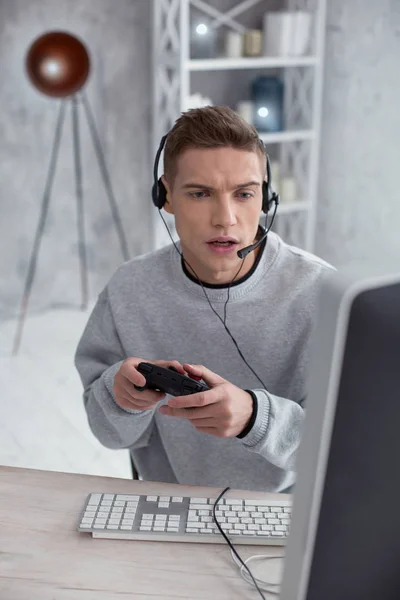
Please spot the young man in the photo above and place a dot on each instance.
(239, 433)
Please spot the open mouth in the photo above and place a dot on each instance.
(222, 243)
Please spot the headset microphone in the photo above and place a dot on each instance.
(245, 251)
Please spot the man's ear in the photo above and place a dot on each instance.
(168, 204)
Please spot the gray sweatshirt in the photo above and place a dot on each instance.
(151, 309)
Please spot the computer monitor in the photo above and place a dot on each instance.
(344, 542)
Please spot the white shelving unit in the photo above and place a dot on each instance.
(302, 76)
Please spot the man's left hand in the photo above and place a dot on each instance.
(224, 410)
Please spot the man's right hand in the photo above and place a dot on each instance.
(127, 396)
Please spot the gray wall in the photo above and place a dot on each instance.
(359, 199)
(116, 34)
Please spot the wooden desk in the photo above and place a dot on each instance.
(43, 557)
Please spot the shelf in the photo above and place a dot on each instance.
(287, 136)
(287, 208)
(258, 62)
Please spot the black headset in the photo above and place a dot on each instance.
(159, 193)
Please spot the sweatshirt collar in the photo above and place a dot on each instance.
(265, 260)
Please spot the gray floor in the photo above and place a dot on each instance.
(43, 422)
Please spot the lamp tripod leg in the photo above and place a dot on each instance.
(79, 204)
(40, 230)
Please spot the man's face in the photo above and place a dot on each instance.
(216, 196)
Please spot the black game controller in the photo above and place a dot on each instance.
(168, 381)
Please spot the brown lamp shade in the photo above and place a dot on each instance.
(58, 64)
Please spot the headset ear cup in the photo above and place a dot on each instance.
(159, 194)
(267, 197)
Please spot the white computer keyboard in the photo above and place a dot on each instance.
(184, 519)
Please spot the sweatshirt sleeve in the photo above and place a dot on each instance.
(98, 358)
(276, 432)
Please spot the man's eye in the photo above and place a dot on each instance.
(201, 194)
(245, 195)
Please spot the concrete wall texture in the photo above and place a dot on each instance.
(117, 37)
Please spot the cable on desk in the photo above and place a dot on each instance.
(244, 568)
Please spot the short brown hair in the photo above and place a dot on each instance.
(208, 127)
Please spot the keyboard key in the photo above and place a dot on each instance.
(177, 499)
(287, 509)
(126, 527)
(165, 499)
(277, 533)
(158, 528)
(108, 496)
(211, 526)
(94, 499)
(99, 525)
(152, 498)
(146, 522)
(234, 501)
(273, 522)
(174, 518)
(199, 501)
(219, 513)
(127, 522)
(127, 498)
(240, 526)
(105, 503)
(112, 526)
(280, 528)
(267, 528)
(197, 507)
(204, 513)
(257, 515)
(86, 520)
(161, 517)
(285, 521)
(130, 510)
(132, 504)
(86, 526)
(172, 529)
(117, 509)
(243, 513)
(253, 527)
(249, 532)
(233, 520)
(246, 520)
(206, 519)
(205, 531)
(230, 513)
(119, 503)
(256, 503)
(282, 516)
(266, 533)
(260, 521)
(235, 532)
(192, 530)
(251, 508)
(275, 509)
(89, 514)
(163, 505)
(194, 519)
(102, 515)
(144, 528)
(147, 516)
(114, 521)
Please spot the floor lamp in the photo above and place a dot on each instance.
(58, 65)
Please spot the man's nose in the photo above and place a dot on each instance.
(224, 214)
